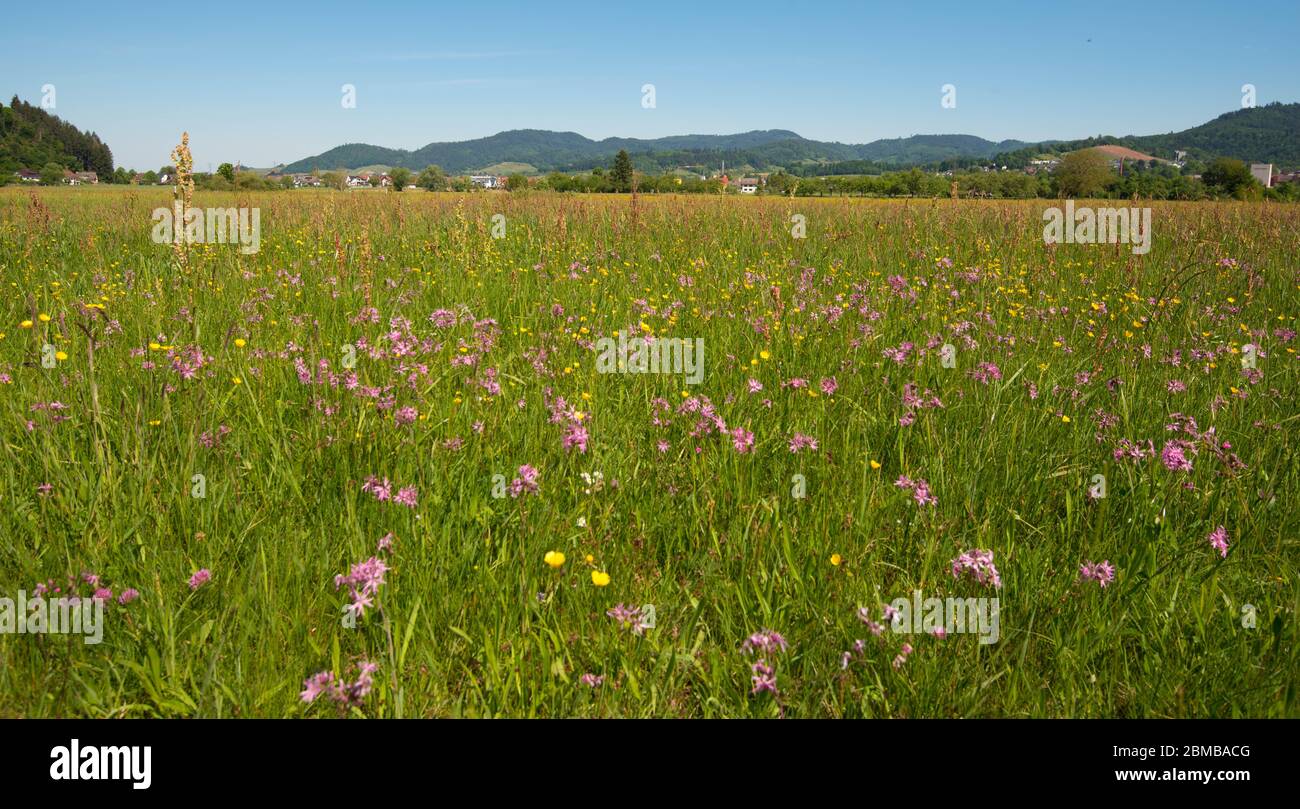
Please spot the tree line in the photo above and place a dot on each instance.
(1080, 174)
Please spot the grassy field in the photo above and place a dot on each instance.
(387, 393)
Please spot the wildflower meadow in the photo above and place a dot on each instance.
(541, 455)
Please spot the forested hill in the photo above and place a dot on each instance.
(31, 138)
(1269, 134)
(547, 150)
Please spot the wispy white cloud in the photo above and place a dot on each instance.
(454, 56)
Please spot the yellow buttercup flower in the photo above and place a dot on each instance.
(554, 558)
(599, 578)
(240, 342)
(60, 355)
(44, 318)
(836, 559)
(875, 464)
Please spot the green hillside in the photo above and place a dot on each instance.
(1268, 134)
(1262, 134)
(30, 138)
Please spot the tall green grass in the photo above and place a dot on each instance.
(472, 622)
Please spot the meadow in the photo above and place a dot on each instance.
(371, 470)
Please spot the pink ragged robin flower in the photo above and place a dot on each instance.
(526, 483)
(800, 441)
(1102, 572)
(979, 564)
(1219, 541)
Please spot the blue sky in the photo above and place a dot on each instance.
(260, 83)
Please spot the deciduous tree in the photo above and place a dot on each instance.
(1084, 173)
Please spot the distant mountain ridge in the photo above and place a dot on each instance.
(1261, 134)
(932, 148)
(549, 150)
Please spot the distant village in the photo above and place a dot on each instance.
(1122, 160)
(487, 182)
(362, 179)
(1122, 157)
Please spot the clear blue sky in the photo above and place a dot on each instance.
(260, 82)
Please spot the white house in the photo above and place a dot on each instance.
(1262, 172)
(748, 185)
